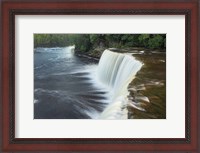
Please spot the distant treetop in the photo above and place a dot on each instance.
(86, 42)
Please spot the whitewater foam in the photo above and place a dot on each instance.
(116, 71)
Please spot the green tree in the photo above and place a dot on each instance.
(157, 41)
(86, 42)
(144, 39)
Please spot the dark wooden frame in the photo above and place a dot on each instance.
(11, 8)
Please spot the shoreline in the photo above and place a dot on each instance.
(97, 52)
(87, 56)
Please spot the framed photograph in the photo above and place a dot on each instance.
(100, 76)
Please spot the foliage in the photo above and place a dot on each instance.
(144, 39)
(82, 42)
(156, 41)
(50, 40)
(86, 42)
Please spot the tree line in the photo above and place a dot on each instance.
(87, 42)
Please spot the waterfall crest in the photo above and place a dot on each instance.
(116, 71)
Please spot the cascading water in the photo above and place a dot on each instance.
(70, 51)
(116, 71)
(69, 87)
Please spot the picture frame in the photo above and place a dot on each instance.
(46, 7)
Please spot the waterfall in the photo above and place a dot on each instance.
(72, 47)
(116, 71)
(69, 51)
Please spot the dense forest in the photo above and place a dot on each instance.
(87, 42)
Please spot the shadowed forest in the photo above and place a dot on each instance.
(86, 42)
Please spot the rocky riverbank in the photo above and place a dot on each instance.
(149, 87)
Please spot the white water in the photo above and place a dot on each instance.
(107, 80)
(116, 71)
(70, 51)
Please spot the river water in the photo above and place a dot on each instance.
(64, 86)
(71, 87)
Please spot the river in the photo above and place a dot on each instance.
(64, 87)
(119, 86)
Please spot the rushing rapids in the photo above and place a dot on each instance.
(116, 71)
(71, 87)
